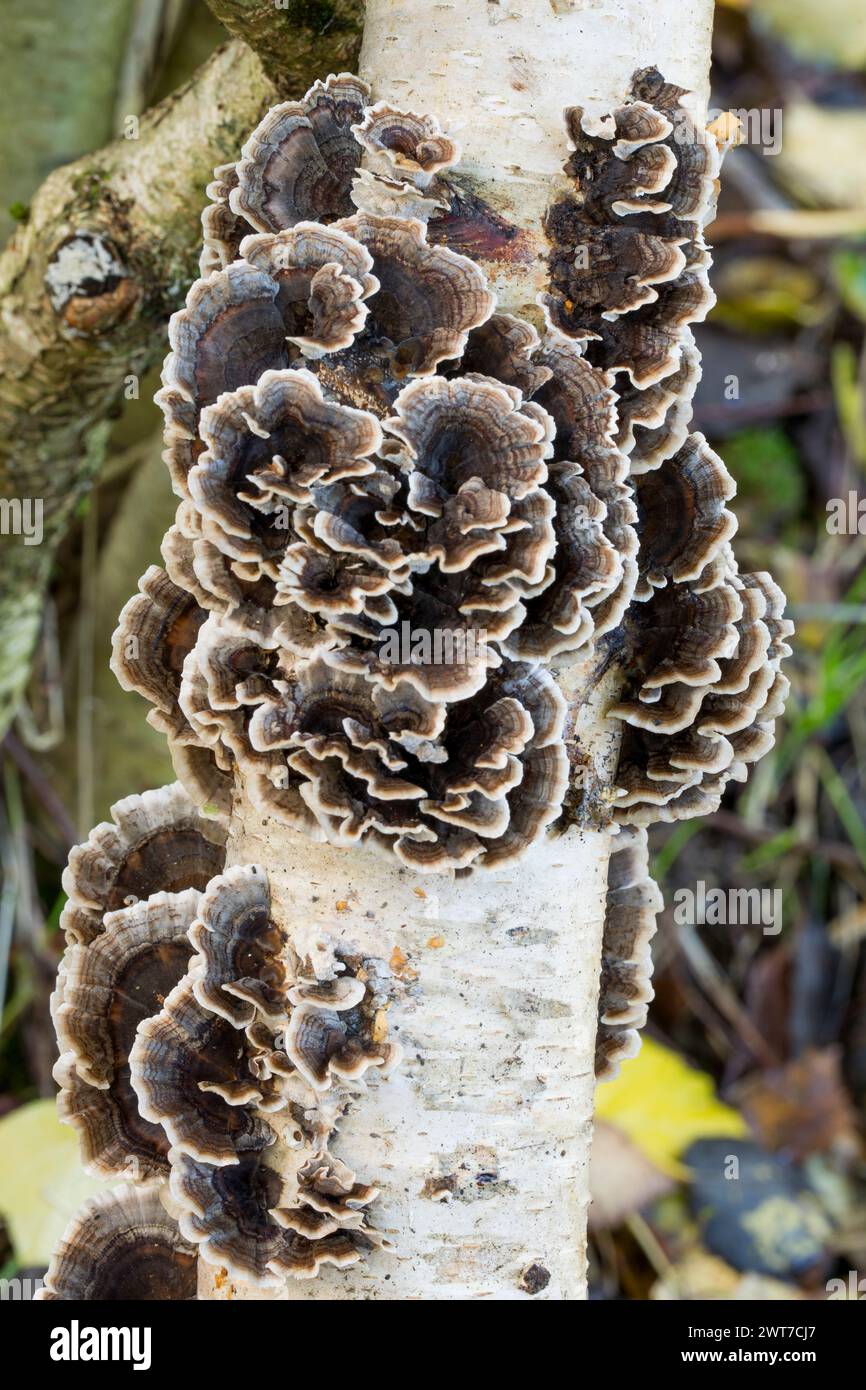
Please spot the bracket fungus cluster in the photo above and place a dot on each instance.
(373, 464)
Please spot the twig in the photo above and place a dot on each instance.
(41, 788)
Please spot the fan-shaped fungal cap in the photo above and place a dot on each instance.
(326, 1045)
(384, 196)
(155, 632)
(684, 522)
(298, 163)
(238, 972)
(582, 403)
(429, 298)
(229, 332)
(653, 424)
(505, 348)
(690, 742)
(122, 1246)
(265, 448)
(678, 638)
(191, 1075)
(323, 276)
(628, 263)
(401, 143)
(229, 1213)
(108, 987)
(222, 230)
(440, 786)
(157, 841)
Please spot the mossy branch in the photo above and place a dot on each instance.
(88, 283)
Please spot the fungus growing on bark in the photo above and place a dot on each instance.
(298, 163)
(375, 454)
(632, 904)
(156, 842)
(234, 1217)
(237, 972)
(403, 144)
(107, 988)
(323, 277)
(190, 1071)
(222, 230)
(429, 298)
(155, 633)
(629, 265)
(121, 1246)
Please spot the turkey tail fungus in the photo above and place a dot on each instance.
(449, 614)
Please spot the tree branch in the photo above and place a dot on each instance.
(88, 284)
(294, 38)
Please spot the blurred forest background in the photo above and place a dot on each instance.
(756, 1047)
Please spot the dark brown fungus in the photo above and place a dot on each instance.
(633, 903)
(156, 631)
(324, 279)
(404, 145)
(122, 1246)
(191, 1075)
(298, 163)
(265, 448)
(106, 989)
(228, 334)
(429, 298)
(222, 230)
(238, 973)
(158, 841)
(683, 520)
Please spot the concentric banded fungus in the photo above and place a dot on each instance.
(332, 1035)
(429, 298)
(383, 767)
(265, 448)
(633, 902)
(107, 988)
(324, 278)
(237, 972)
(222, 230)
(683, 518)
(228, 334)
(628, 263)
(156, 631)
(298, 163)
(708, 733)
(190, 1071)
(402, 144)
(234, 1216)
(122, 1246)
(403, 517)
(158, 841)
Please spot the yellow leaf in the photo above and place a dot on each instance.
(41, 1180)
(663, 1105)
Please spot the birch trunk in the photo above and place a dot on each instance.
(480, 1140)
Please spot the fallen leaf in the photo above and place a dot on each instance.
(621, 1178)
(663, 1105)
(41, 1180)
(802, 1108)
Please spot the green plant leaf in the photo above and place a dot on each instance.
(41, 1180)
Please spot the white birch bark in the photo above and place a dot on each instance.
(480, 1140)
